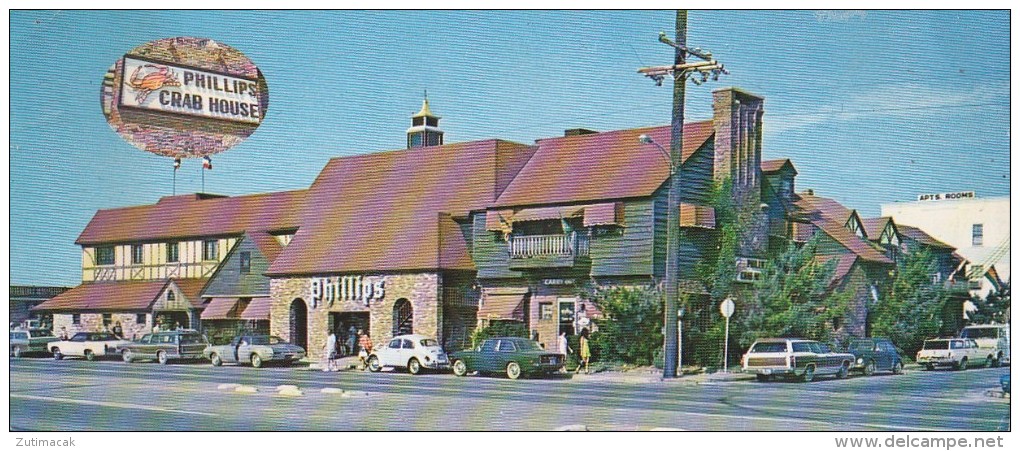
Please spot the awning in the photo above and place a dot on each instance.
(692, 215)
(258, 309)
(545, 213)
(220, 308)
(493, 222)
(503, 304)
(610, 213)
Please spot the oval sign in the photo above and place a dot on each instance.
(726, 308)
(184, 97)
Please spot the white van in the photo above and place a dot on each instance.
(993, 339)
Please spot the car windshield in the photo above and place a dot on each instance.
(769, 347)
(42, 333)
(980, 332)
(429, 343)
(824, 348)
(936, 344)
(102, 337)
(266, 340)
(527, 345)
(861, 346)
(958, 344)
(191, 339)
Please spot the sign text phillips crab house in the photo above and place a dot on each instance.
(178, 89)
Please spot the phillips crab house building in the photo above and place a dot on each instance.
(439, 239)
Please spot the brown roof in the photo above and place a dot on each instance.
(107, 296)
(874, 226)
(920, 236)
(769, 166)
(844, 263)
(598, 167)
(267, 244)
(380, 211)
(194, 215)
(831, 216)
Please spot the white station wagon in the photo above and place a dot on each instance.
(89, 345)
(413, 352)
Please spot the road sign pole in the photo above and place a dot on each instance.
(726, 348)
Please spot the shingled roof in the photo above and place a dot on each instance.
(600, 166)
(195, 215)
(770, 166)
(393, 211)
(831, 216)
(130, 295)
(920, 236)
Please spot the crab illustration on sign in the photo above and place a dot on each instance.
(152, 80)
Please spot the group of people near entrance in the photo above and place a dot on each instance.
(583, 351)
(358, 342)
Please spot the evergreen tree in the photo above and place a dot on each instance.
(911, 311)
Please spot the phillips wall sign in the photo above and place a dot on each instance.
(184, 97)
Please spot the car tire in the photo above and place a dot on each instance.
(897, 368)
(56, 354)
(162, 358)
(869, 368)
(414, 366)
(125, 355)
(215, 359)
(256, 361)
(762, 377)
(89, 355)
(373, 364)
(809, 374)
(16, 352)
(962, 366)
(459, 368)
(930, 367)
(513, 370)
(844, 370)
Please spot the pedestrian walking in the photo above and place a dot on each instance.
(365, 343)
(352, 340)
(63, 334)
(118, 330)
(330, 348)
(584, 352)
(562, 345)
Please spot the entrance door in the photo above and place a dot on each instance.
(344, 323)
(567, 316)
(299, 323)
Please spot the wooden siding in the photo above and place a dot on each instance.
(490, 252)
(228, 280)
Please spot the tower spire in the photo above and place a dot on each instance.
(424, 131)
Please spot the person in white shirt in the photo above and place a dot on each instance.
(561, 344)
(330, 352)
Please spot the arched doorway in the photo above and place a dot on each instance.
(299, 323)
(403, 317)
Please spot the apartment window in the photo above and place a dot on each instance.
(172, 255)
(76, 318)
(209, 249)
(136, 254)
(140, 319)
(104, 255)
(545, 310)
(245, 262)
(107, 319)
(977, 235)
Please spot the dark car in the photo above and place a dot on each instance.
(513, 356)
(25, 341)
(1004, 381)
(875, 354)
(166, 346)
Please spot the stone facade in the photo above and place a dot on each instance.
(422, 290)
(93, 322)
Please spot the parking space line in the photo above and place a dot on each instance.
(118, 405)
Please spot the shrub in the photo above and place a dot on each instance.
(631, 328)
(499, 329)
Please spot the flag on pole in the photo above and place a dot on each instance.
(177, 163)
(207, 162)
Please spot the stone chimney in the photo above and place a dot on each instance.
(737, 120)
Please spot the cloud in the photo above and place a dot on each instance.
(900, 100)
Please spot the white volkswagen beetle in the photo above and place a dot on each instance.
(413, 352)
(87, 344)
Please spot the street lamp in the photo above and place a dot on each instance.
(645, 139)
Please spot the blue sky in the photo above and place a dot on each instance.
(873, 107)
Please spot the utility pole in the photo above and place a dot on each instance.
(680, 71)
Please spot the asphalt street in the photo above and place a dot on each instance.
(76, 395)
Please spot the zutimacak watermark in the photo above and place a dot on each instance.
(44, 442)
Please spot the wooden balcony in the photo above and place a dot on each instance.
(548, 251)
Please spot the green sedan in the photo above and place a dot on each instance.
(513, 356)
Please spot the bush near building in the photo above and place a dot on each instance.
(793, 299)
(630, 330)
(499, 329)
(912, 309)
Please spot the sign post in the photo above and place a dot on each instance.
(726, 308)
(680, 341)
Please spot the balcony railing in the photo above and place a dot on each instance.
(150, 272)
(571, 244)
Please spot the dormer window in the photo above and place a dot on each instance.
(104, 255)
(210, 250)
